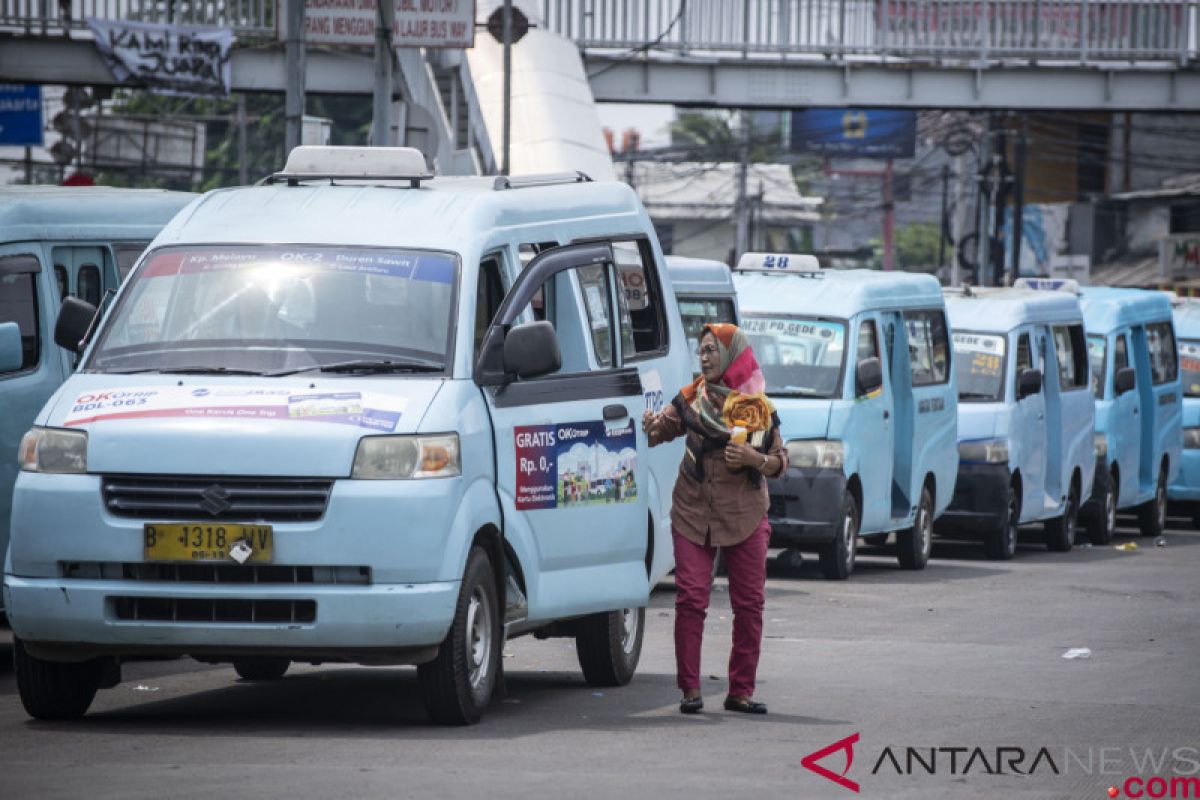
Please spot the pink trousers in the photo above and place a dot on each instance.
(746, 566)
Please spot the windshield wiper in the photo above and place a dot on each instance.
(203, 371)
(363, 365)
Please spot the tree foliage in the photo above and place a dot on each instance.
(917, 245)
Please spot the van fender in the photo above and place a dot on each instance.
(660, 519)
(519, 538)
(477, 509)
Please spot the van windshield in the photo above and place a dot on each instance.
(979, 360)
(1097, 350)
(799, 357)
(278, 309)
(1189, 366)
(696, 313)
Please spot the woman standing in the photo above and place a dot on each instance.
(720, 500)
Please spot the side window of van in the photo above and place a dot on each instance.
(582, 317)
(645, 331)
(488, 295)
(928, 346)
(19, 304)
(1070, 347)
(1120, 354)
(1164, 361)
(868, 341)
(63, 281)
(126, 256)
(1024, 353)
(87, 284)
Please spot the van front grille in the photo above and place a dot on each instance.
(172, 497)
(193, 609)
(213, 573)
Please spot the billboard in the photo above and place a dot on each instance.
(21, 114)
(854, 132)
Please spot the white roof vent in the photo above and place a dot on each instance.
(777, 262)
(379, 163)
(1048, 284)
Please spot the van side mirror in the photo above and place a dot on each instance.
(1124, 380)
(11, 354)
(531, 350)
(74, 321)
(868, 376)
(1029, 382)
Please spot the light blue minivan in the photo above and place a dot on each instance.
(706, 294)
(58, 242)
(356, 414)
(1183, 492)
(1139, 407)
(1026, 434)
(870, 431)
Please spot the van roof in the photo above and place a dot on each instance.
(1187, 318)
(35, 213)
(699, 276)
(836, 293)
(1106, 309)
(443, 214)
(1002, 310)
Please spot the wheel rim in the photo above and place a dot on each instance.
(629, 630)
(850, 532)
(1069, 519)
(479, 637)
(1160, 506)
(926, 534)
(1110, 510)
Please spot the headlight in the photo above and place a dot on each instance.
(401, 457)
(984, 451)
(826, 453)
(53, 450)
(1101, 445)
(1191, 438)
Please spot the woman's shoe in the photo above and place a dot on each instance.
(745, 705)
(691, 705)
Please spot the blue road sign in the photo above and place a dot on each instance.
(21, 114)
(855, 132)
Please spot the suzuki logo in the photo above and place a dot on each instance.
(215, 500)
(846, 745)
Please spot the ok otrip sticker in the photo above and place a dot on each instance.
(575, 464)
(364, 410)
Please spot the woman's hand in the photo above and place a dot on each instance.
(742, 455)
(650, 425)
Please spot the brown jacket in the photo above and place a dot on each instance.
(725, 507)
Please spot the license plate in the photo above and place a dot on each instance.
(206, 542)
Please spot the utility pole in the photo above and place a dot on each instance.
(943, 227)
(243, 167)
(1019, 198)
(296, 68)
(507, 44)
(982, 234)
(996, 242)
(743, 204)
(381, 103)
(889, 219)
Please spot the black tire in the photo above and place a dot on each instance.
(1196, 520)
(914, 544)
(1101, 523)
(1000, 543)
(456, 687)
(876, 539)
(837, 556)
(1152, 515)
(55, 690)
(261, 668)
(609, 646)
(1060, 531)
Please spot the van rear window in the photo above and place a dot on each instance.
(799, 357)
(1189, 366)
(281, 308)
(979, 366)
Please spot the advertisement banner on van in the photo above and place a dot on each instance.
(376, 412)
(575, 464)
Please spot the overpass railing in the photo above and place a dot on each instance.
(1085, 31)
(248, 18)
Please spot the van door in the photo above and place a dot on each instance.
(570, 455)
(1029, 416)
(1126, 434)
(871, 422)
(898, 377)
(1167, 424)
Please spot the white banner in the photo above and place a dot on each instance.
(171, 59)
(419, 23)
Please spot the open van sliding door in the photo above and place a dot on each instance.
(900, 377)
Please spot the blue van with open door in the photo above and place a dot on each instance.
(58, 242)
(1139, 406)
(861, 371)
(1183, 493)
(1025, 416)
(706, 294)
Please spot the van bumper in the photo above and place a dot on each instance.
(806, 506)
(80, 618)
(980, 499)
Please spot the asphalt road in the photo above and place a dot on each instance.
(966, 654)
